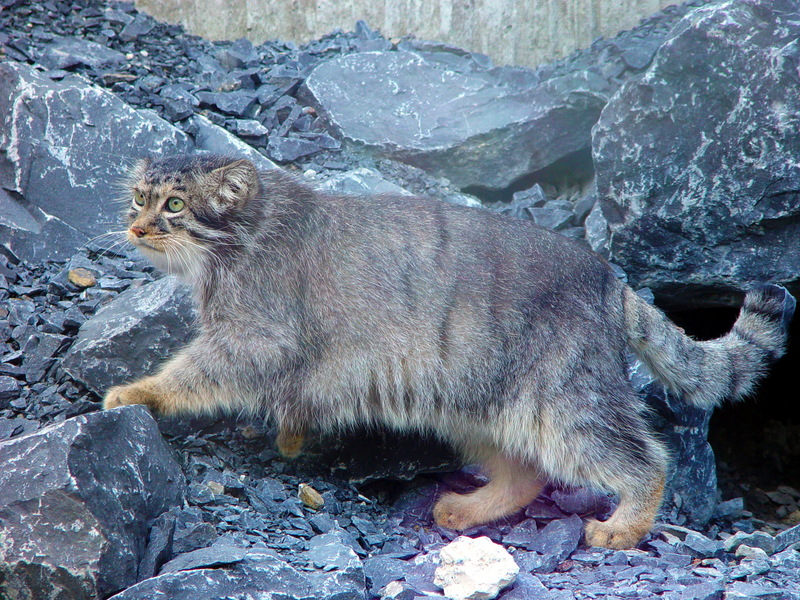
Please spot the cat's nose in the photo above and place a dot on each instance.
(137, 231)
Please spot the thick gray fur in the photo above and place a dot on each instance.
(498, 336)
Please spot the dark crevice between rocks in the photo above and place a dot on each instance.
(575, 167)
(756, 441)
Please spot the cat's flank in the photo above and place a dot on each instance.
(505, 339)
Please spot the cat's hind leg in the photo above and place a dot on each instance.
(290, 440)
(609, 445)
(512, 485)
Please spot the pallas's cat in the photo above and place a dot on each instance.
(505, 339)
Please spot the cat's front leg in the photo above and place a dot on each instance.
(144, 391)
(180, 387)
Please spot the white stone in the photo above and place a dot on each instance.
(474, 569)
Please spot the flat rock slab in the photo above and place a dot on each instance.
(64, 146)
(256, 576)
(76, 501)
(471, 127)
(696, 162)
(132, 335)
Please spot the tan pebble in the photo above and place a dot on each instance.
(216, 487)
(310, 497)
(82, 277)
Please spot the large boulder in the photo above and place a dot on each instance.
(696, 162)
(475, 126)
(64, 146)
(132, 335)
(76, 503)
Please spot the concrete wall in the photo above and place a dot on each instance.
(521, 32)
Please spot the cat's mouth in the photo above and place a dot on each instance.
(145, 243)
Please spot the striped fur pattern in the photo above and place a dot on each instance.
(505, 339)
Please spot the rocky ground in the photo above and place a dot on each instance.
(352, 518)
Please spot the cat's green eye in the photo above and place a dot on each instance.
(138, 199)
(175, 204)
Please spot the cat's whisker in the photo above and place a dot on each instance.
(105, 251)
(121, 232)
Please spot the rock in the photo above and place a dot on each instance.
(259, 574)
(214, 556)
(237, 103)
(694, 161)
(342, 574)
(82, 277)
(521, 534)
(528, 587)
(64, 145)
(330, 551)
(581, 501)
(557, 540)
(215, 139)
(381, 571)
(68, 52)
(398, 590)
(474, 569)
(9, 390)
(361, 182)
(691, 487)
(472, 127)
(787, 538)
(713, 590)
(159, 544)
(750, 591)
(310, 497)
(757, 539)
(524, 202)
(287, 149)
(76, 500)
(191, 532)
(132, 335)
(141, 25)
(702, 547)
(177, 101)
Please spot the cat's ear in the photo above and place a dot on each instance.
(235, 183)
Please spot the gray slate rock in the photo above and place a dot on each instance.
(691, 486)
(342, 573)
(217, 140)
(787, 538)
(76, 501)
(132, 335)
(260, 575)
(473, 127)
(213, 556)
(361, 181)
(68, 52)
(696, 161)
(63, 148)
(557, 540)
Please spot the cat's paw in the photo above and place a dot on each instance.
(124, 395)
(457, 511)
(290, 443)
(608, 534)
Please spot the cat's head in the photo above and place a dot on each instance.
(183, 208)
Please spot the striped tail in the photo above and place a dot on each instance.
(708, 372)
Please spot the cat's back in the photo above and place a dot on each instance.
(405, 234)
(411, 256)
